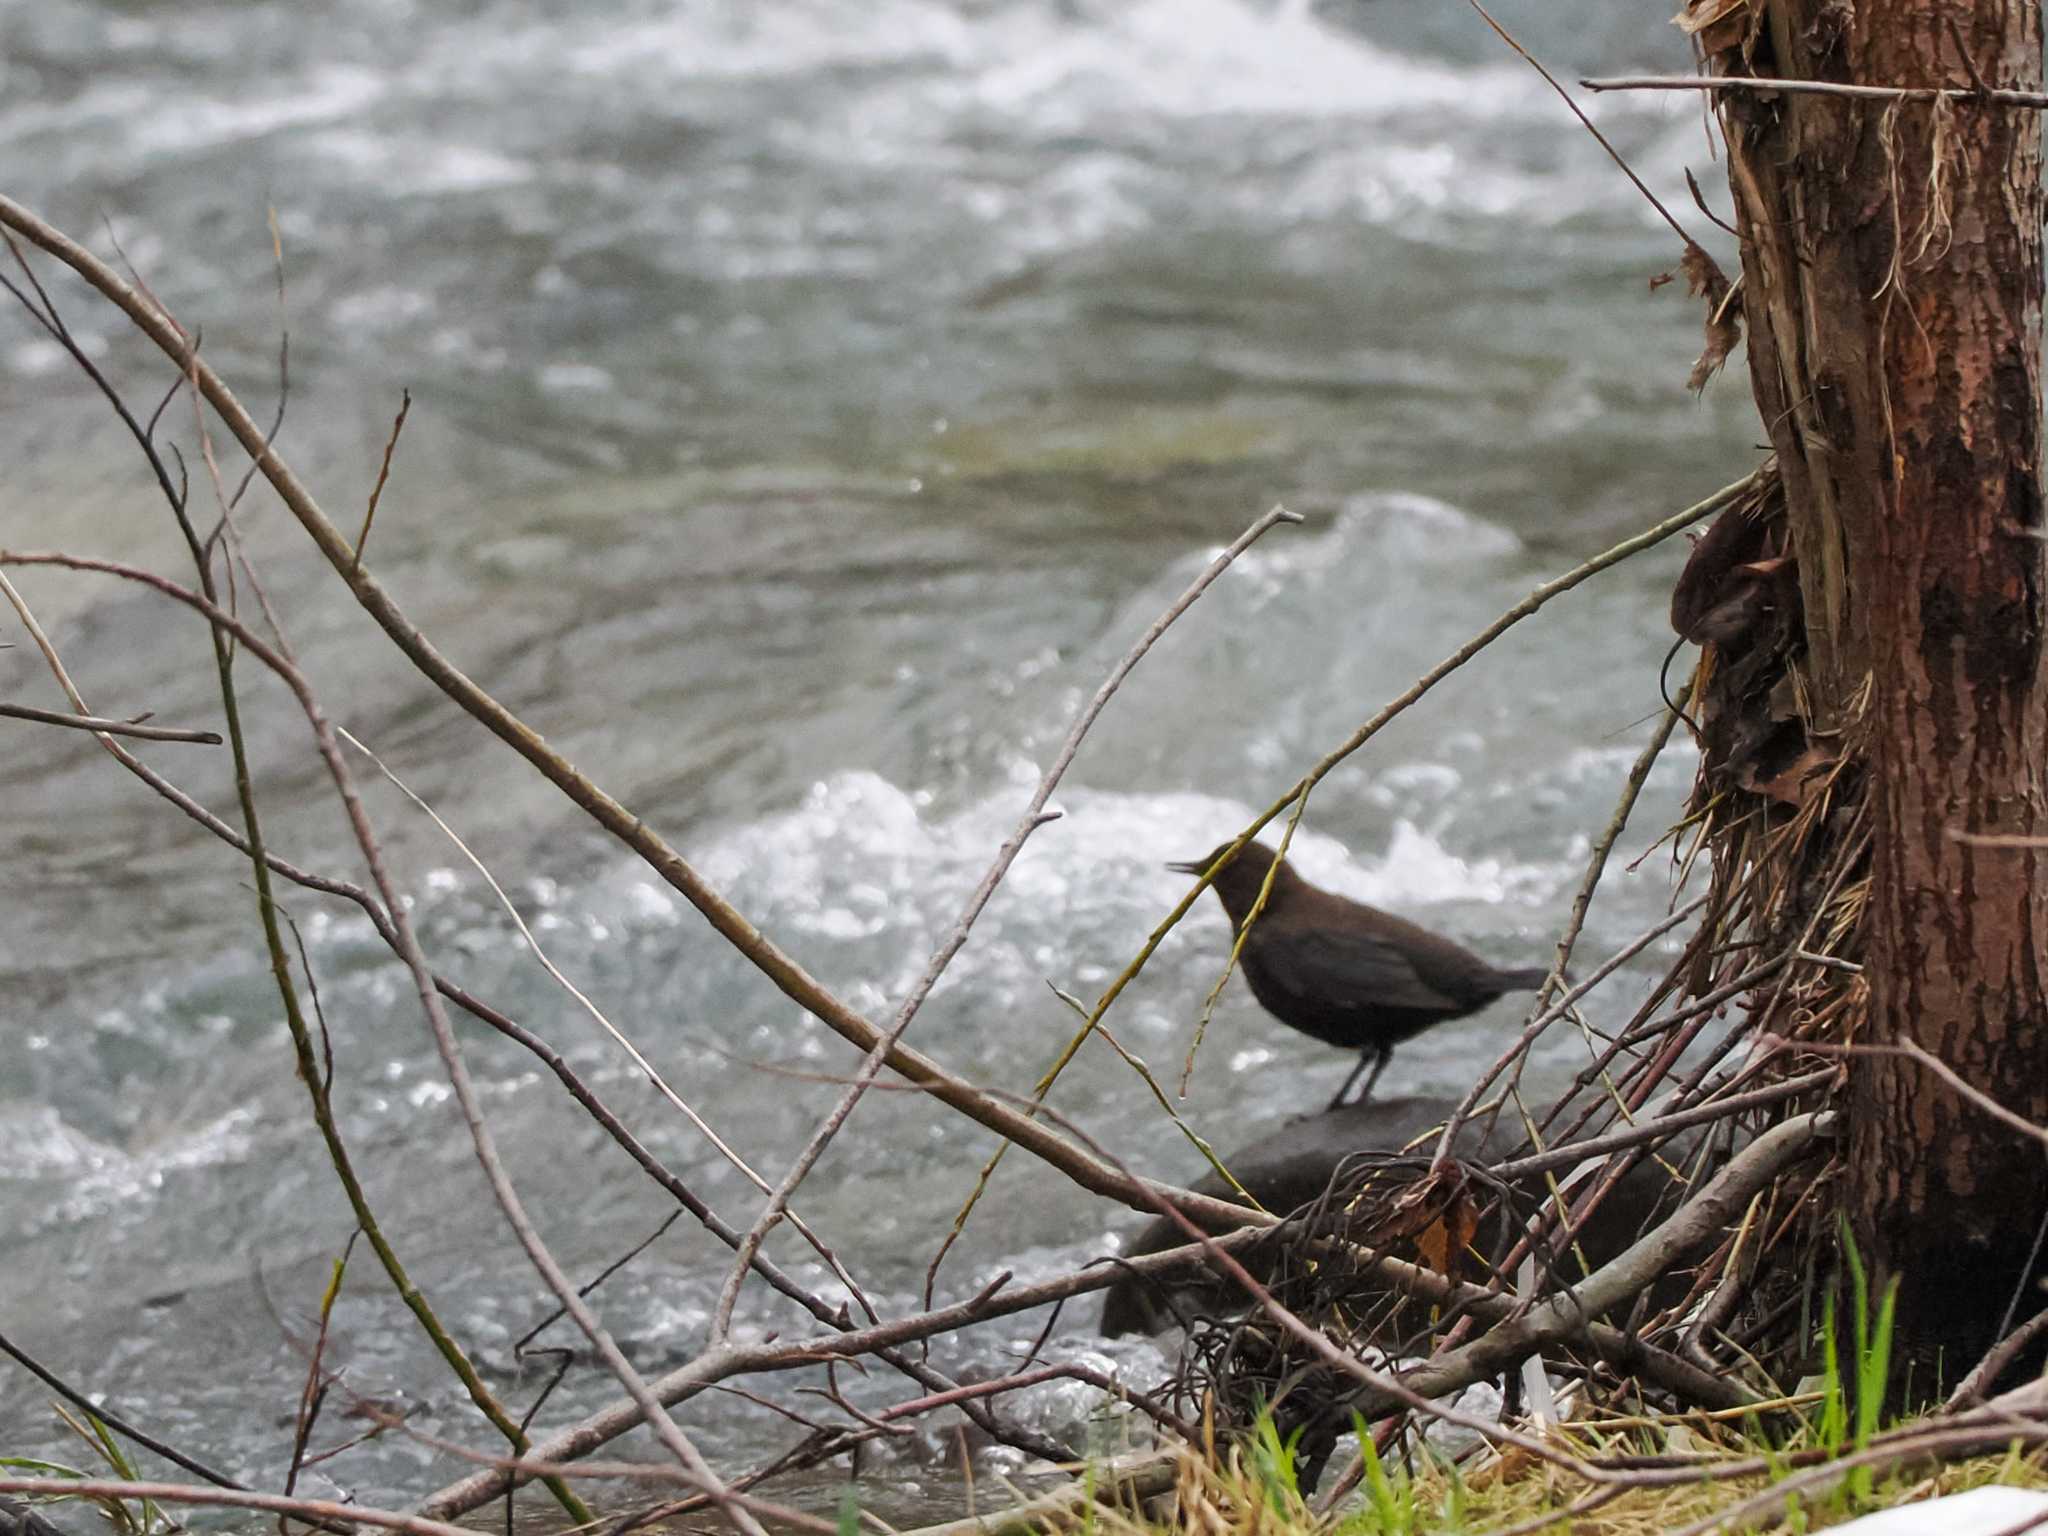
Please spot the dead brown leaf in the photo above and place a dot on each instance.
(1703, 275)
(1697, 15)
(1444, 1242)
(1787, 698)
(1794, 784)
(1704, 279)
(1717, 25)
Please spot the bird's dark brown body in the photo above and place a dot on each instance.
(1345, 973)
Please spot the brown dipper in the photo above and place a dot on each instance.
(1345, 973)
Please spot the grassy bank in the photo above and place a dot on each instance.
(1253, 1491)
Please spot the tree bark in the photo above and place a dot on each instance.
(1892, 271)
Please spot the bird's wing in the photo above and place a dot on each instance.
(1350, 971)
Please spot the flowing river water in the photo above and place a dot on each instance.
(811, 400)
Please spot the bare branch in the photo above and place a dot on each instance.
(383, 474)
(1585, 122)
(324, 1512)
(110, 727)
(1914, 1051)
(1573, 1153)
(2033, 99)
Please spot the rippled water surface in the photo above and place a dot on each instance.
(811, 401)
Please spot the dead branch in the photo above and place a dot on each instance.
(107, 727)
(1687, 1231)
(2034, 100)
(323, 1512)
(1912, 1050)
(383, 474)
(1573, 1153)
(1586, 123)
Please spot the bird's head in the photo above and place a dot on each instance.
(1236, 883)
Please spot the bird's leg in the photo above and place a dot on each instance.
(1338, 1101)
(1377, 1059)
(1379, 1065)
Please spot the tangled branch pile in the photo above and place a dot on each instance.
(1599, 1247)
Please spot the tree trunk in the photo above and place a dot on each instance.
(1892, 290)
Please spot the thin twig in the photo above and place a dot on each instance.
(1150, 1473)
(1585, 121)
(1997, 839)
(318, 1379)
(1981, 86)
(284, 359)
(647, 1067)
(114, 1421)
(1699, 200)
(110, 727)
(519, 1346)
(1573, 1153)
(383, 474)
(2033, 99)
(1617, 823)
(1982, 1432)
(1987, 1371)
(1914, 1051)
(1137, 1064)
(36, 633)
(324, 1512)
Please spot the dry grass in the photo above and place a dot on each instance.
(1248, 1490)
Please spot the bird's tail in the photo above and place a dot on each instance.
(1528, 979)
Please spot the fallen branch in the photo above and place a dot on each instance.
(1618, 1282)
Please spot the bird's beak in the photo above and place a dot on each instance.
(1188, 869)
